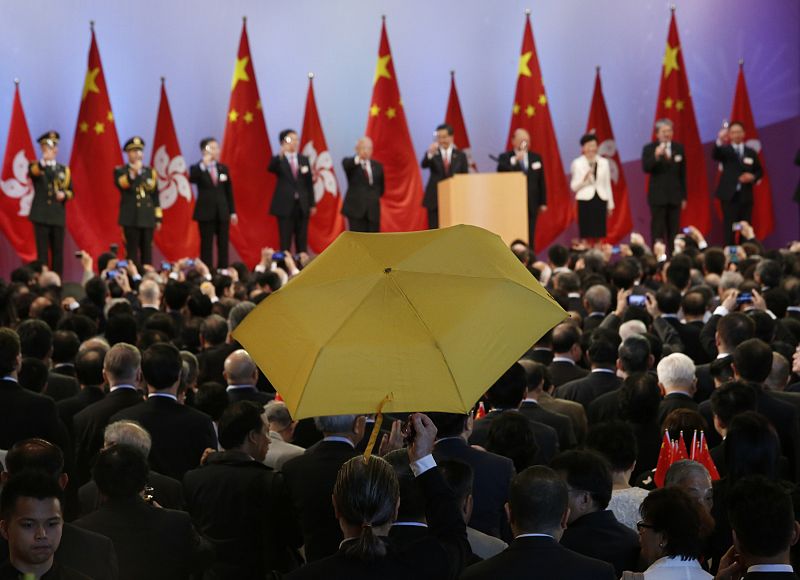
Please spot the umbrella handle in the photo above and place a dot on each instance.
(376, 429)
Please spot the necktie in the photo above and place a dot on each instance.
(525, 162)
(740, 150)
(212, 171)
(365, 169)
(293, 163)
(446, 161)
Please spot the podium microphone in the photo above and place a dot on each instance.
(494, 158)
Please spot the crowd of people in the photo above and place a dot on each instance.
(139, 440)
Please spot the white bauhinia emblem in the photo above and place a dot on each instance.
(608, 149)
(322, 166)
(172, 181)
(19, 186)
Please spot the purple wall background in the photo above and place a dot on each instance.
(193, 44)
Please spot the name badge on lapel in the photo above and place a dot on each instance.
(747, 160)
(223, 177)
(304, 169)
(536, 165)
(678, 158)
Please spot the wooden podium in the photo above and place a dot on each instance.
(497, 202)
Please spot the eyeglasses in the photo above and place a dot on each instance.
(643, 526)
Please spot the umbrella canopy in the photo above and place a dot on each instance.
(428, 320)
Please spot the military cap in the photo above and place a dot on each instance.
(50, 138)
(134, 143)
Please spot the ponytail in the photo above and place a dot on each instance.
(367, 546)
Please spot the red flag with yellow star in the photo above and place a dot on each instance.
(401, 204)
(675, 103)
(763, 216)
(532, 113)
(246, 151)
(620, 222)
(327, 222)
(455, 119)
(93, 212)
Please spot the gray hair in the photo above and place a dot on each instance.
(730, 280)
(122, 362)
(663, 123)
(335, 423)
(682, 470)
(191, 368)
(598, 297)
(149, 291)
(676, 370)
(128, 433)
(779, 375)
(278, 413)
(237, 314)
(632, 328)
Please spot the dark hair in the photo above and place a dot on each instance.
(764, 325)
(65, 346)
(558, 255)
(714, 260)
(176, 294)
(735, 123)
(237, 422)
(684, 421)
(162, 322)
(679, 273)
(735, 328)
(33, 374)
(35, 454)
(285, 133)
(681, 518)
(366, 493)
(761, 513)
(639, 398)
(616, 441)
(161, 365)
(96, 289)
(212, 399)
(751, 446)
(204, 142)
(732, 399)
(445, 127)
(721, 369)
(587, 138)
(510, 435)
(634, 354)
(120, 471)
(35, 484)
(459, 476)
(602, 351)
(753, 360)
(412, 500)
(693, 303)
(35, 338)
(89, 366)
(121, 328)
(9, 351)
(668, 298)
(625, 273)
(80, 324)
(269, 279)
(448, 424)
(565, 336)
(214, 329)
(508, 390)
(535, 374)
(586, 471)
(538, 498)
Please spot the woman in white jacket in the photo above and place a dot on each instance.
(591, 182)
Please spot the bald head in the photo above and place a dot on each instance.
(520, 135)
(149, 293)
(240, 368)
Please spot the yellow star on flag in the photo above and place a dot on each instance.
(670, 59)
(240, 71)
(524, 68)
(258, 105)
(233, 115)
(90, 83)
(516, 108)
(391, 112)
(668, 103)
(542, 99)
(679, 105)
(110, 117)
(99, 127)
(530, 111)
(374, 110)
(84, 127)
(382, 68)
(248, 117)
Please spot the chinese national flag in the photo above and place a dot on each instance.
(455, 119)
(531, 112)
(664, 460)
(620, 221)
(246, 151)
(327, 222)
(92, 214)
(178, 237)
(16, 186)
(675, 103)
(763, 217)
(401, 204)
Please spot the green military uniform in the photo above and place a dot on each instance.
(47, 212)
(139, 207)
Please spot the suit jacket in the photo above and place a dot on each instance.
(363, 200)
(541, 355)
(24, 414)
(784, 417)
(667, 176)
(675, 401)
(45, 208)
(151, 542)
(561, 423)
(56, 572)
(493, 475)
(563, 372)
(249, 394)
(573, 410)
(211, 362)
(243, 508)
(139, 205)
(604, 408)
(549, 559)
(537, 191)
(458, 164)
(180, 434)
(60, 386)
(214, 202)
(280, 451)
(310, 478)
(168, 492)
(287, 185)
(589, 388)
(732, 168)
(602, 181)
(545, 435)
(68, 408)
(599, 535)
(592, 320)
(690, 337)
(770, 576)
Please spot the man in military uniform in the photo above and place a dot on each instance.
(139, 208)
(52, 188)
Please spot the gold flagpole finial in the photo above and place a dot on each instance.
(310, 75)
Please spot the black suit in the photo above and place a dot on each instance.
(586, 389)
(47, 213)
(537, 191)
(310, 478)
(68, 408)
(563, 372)
(604, 408)
(675, 401)
(541, 355)
(150, 542)
(166, 491)
(438, 172)
(540, 557)
(770, 576)
(180, 434)
(736, 197)
(60, 386)
(243, 507)
(599, 535)
(139, 211)
(561, 423)
(690, 337)
(211, 362)
(546, 436)
(292, 200)
(666, 191)
(212, 210)
(362, 204)
(248, 394)
(24, 414)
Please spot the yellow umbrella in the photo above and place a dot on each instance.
(423, 321)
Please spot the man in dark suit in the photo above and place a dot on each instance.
(293, 200)
(603, 378)
(729, 400)
(592, 530)
(214, 349)
(741, 169)
(36, 340)
(139, 206)
(538, 509)
(65, 348)
(443, 160)
(311, 476)
(180, 434)
(533, 410)
(678, 383)
(530, 163)
(365, 186)
(214, 210)
(693, 305)
(89, 367)
(240, 503)
(241, 376)
(566, 352)
(663, 160)
(52, 189)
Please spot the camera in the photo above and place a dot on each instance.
(166, 266)
(687, 231)
(111, 275)
(277, 256)
(113, 248)
(737, 227)
(637, 300)
(79, 254)
(744, 298)
(122, 264)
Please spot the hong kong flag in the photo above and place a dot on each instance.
(327, 222)
(178, 237)
(16, 186)
(455, 119)
(620, 221)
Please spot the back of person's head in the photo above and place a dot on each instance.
(537, 499)
(693, 304)
(676, 370)
(567, 281)
(212, 399)
(734, 328)
(130, 433)
(161, 366)
(680, 518)
(602, 352)
(237, 314)
(764, 325)
(534, 374)
(558, 255)
(214, 330)
(634, 354)
(769, 273)
(668, 298)
(237, 422)
(639, 398)
(625, 273)
(149, 292)
(721, 370)
(29, 484)
(751, 447)
(80, 324)
(122, 363)
(36, 338)
(336, 424)
(162, 322)
(678, 273)
(37, 455)
(277, 414)
(684, 422)
(565, 336)
(510, 435)
(9, 351)
(598, 298)
(762, 518)
(714, 261)
(240, 368)
(33, 374)
(508, 390)
(121, 328)
(683, 470)
(120, 472)
(459, 477)
(96, 290)
(448, 424)
(779, 375)
(365, 495)
(731, 399)
(89, 366)
(616, 441)
(65, 346)
(176, 294)
(586, 471)
(752, 360)
(191, 368)
(412, 500)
